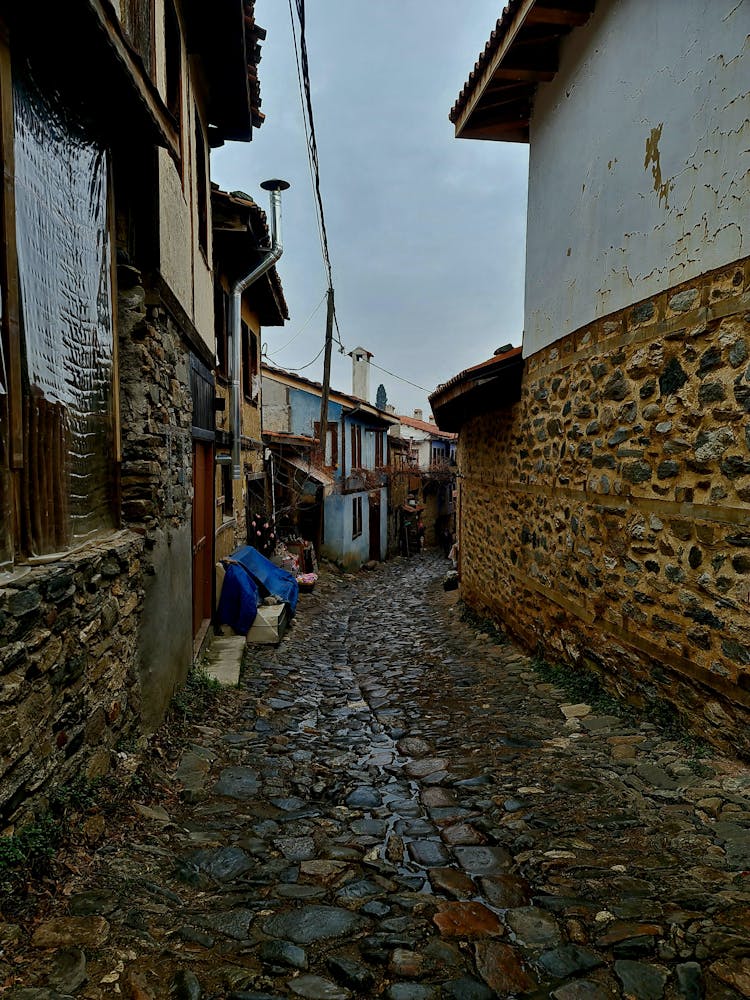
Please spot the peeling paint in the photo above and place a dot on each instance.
(642, 120)
(653, 159)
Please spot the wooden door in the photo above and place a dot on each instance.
(203, 531)
(375, 526)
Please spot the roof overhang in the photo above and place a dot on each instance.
(240, 241)
(494, 384)
(522, 52)
(224, 35)
(372, 417)
(280, 438)
(74, 47)
(310, 472)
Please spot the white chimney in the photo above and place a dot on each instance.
(361, 373)
(418, 415)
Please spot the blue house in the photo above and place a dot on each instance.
(332, 493)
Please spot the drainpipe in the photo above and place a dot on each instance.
(275, 187)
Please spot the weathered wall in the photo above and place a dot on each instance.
(276, 406)
(68, 634)
(231, 535)
(606, 517)
(156, 481)
(638, 165)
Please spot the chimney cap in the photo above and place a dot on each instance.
(274, 185)
(361, 350)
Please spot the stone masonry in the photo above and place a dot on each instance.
(67, 686)
(74, 630)
(610, 507)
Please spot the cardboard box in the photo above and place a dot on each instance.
(269, 626)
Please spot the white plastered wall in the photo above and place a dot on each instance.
(639, 165)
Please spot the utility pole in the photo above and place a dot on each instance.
(326, 376)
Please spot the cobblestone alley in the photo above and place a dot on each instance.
(395, 805)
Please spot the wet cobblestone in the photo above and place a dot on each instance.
(398, 806)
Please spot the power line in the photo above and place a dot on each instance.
(309, 363)
(400, 378)
(301, 329)
(303, 76)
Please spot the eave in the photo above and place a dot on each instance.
(522, 52)
(494, 384)
(240, 240)
(78, 45)
(226, 38)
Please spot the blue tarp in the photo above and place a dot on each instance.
(270, 578)
(239, 600)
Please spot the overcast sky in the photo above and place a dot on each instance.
(426, 232)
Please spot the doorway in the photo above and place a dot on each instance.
(203, 529)
(375, 526)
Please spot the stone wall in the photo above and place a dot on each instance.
(85, 656)
(606, 516)
(68, 634)
(156, 485)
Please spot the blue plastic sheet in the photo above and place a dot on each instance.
(272, 579)
(239, 600)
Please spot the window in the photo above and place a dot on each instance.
(57, 417)
(379, 463)
(332, 447)
(356, 456)
(201, 185)
(356, 517)
(227, 491)
(221, 330)
(173, 52)
(138, 24)
(250, 381)
(331, 457)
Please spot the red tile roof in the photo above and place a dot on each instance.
(522, 51)
(426, 426)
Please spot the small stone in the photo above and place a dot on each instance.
(68, 970)
(690, 981)
(350, 973)
(684, 301)
(424, 767)
(646, 982)
(735, 972)
(579, 711)
(582, 989)
(412, 746)
(410, 991)
(66, 932)
(363, 798)
(185, 986)
(503, 969)
(316, 988)
(283, 953)
(506, 892)
(463, 834)
(533, 927)
(483, 860)
(313, 923)
(452, 882)
(405, 963)
(237, 783)
(467, 989)
(467, 920)
(428, 853)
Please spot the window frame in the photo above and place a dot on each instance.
(355, 461)
(356, 517)
(249, 363)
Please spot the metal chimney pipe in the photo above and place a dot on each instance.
(275, 187)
